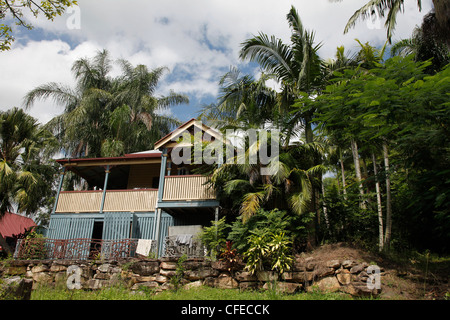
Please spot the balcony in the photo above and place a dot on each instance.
(187, 188)
(135, 200)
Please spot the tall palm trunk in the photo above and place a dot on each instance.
(379, 204)
(344, 185)
(387, 239)
(355, 153)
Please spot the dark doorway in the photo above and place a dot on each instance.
(97, 232)
(96, 239)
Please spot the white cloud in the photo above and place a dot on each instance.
(197, 40)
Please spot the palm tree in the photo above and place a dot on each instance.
(380, 8)
(243, 102)
(424, 44)
(101, 113)
(297, 67)
(26, 175)
(137, 110)
(80, 127)
(390, 9)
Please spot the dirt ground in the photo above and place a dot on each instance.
(401, 279)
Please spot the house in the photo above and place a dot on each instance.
(145, 195)
(12, 226)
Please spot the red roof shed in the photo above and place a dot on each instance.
(13, 224)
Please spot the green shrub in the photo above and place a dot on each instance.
(214, 237)
(269, 250)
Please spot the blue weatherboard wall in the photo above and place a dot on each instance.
(116, 225)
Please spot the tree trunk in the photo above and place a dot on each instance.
(379, 204)
(4, 245)
(387, 239)
(309, 135)
(354, 145)
(344, 185)
(324, 208)
(442, 12)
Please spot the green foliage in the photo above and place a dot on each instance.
(33, 246)
(175, 280)
(395, 103)
(120, 292)
(264, 222)
(272, 250)
(108, 116)
(14, 9)
(26, 172)
(214, 237)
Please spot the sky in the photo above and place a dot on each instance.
(197, 40)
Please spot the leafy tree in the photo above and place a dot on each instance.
(106, 116)
(297, 67)
(424, 45)
(14, 9)
(26, 172)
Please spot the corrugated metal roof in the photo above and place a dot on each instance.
(12, 224)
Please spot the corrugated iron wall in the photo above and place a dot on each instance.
(116, 226)
(70, 227)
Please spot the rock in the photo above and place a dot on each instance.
(225, 281)
(360, 289)
(194, 275)
(219, 265)
(347, 264)
(243, 276)
(16, 288)
(195, 284)
(167, 273)
(161, 279)
(357, 269)
(296, 276)
(138, 278)
(57, 268)
(298, 266)
(168, 265)
(102, 276)
(145, 268)
(344, 277)
(195, 264)
(310, 266)
(335, 264)
(328, 284)
(40, 268)
(266, 276)
(104, 267)
(42, 277)
(322, 272)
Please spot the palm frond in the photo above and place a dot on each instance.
(251, 202)
(236, 184)
(271, 53)
(60, 94)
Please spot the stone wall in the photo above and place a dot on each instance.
(305, 275)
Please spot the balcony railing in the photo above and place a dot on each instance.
(176, 188)
(185, 188)
(136, 200)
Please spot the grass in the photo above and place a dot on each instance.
(200, 293)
